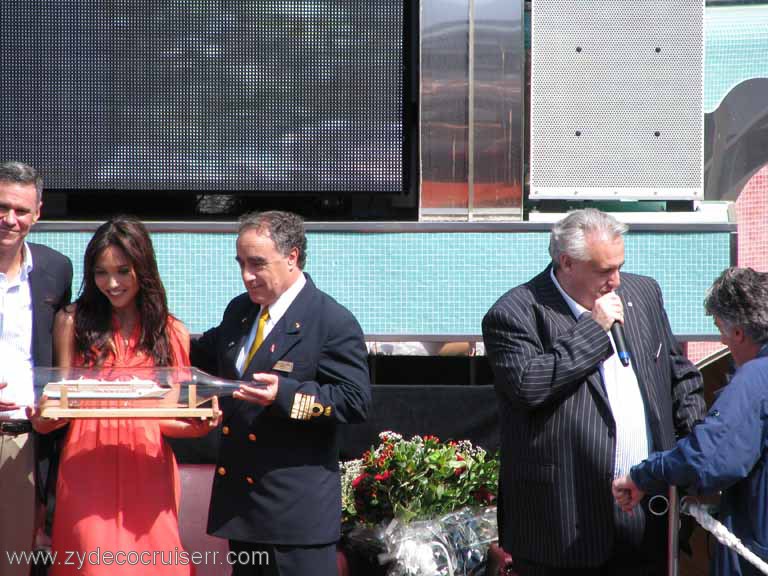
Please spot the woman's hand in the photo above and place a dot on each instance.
(7, 406)
(44, 425)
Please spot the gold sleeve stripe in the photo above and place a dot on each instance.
(304, 407)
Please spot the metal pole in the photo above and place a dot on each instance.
(673, 550)
(471, 114)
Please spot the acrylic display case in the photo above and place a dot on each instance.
(128, 392)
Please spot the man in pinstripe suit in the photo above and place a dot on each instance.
(573, 417)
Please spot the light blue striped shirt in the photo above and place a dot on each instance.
(633, 434)
(16, 339)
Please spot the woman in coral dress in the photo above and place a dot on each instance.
(117, 493)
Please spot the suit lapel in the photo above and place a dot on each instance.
(550, 296)
(630, 324)
(286, 338)
(285, 334)
(240, 337)
(562, 316)
(279, 340)
(232, 351)
(636, 334)
(37, 281)
(36, 293)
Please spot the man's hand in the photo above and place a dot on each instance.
(626, 493)
(608, 309)
(264, 394)
(7, 406)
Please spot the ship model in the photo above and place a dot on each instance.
(89, 388)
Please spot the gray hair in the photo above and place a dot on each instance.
(739, 297)
(569, 235)
(20, 173)
(285, 228)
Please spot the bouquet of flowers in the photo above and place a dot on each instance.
(429, 501)
(451, 545)
(417, 478)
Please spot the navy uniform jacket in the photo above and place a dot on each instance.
(277, 475)
(558, 435)
(728, 451)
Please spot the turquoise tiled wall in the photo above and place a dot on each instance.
(418, 283)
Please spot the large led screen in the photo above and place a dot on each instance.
(205, 95)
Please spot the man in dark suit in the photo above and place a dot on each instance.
(573, 416)
(35, 282)
(276, 490)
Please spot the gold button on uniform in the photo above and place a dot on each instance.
(252, 437)
(225, 430)
(221, 471)
(249, 479)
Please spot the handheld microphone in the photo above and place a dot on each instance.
(617, 331)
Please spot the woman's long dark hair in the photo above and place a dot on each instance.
(93, 317)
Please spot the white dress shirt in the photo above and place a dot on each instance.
(633, 439)
(276, 311)
(16, 339)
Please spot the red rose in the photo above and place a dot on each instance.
(484, 495)
(356, 481)
(383, 476)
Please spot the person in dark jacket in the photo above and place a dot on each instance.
(302, 357)
(573, 415)
(727, 451)
(35, 282)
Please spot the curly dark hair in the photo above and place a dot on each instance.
(93, 317)
(739, 297)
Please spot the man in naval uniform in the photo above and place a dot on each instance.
(303, 362)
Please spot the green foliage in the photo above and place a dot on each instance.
(417, 478)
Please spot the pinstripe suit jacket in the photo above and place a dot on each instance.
(557, 429)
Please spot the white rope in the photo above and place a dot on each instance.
(723, 535)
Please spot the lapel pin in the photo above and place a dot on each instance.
(629, 304)
(272, 349)
(231, 344)
(298, 324)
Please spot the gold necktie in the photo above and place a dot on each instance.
(263, 318)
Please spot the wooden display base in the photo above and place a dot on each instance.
(62, 408)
